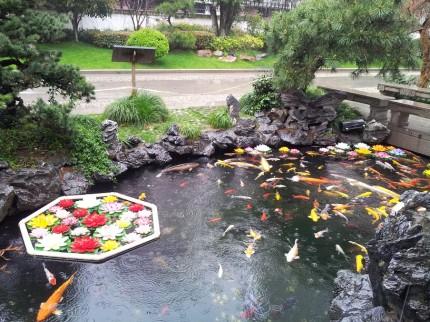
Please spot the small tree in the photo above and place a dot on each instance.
(170, 7)
(24, 66)
(228, 12)
(321, 32)
(138, 11)
(77, 9)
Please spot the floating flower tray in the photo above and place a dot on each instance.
(91, 227)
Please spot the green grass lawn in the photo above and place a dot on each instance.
(86, 56)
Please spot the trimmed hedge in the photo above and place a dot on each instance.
(181, 40)
(238, 43)
(204, 39)
(150, 38)
(105, 39)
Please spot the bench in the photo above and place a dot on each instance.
(399, 91)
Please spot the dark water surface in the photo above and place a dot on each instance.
(176, 277)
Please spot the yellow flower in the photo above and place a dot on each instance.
(43, 221)
(109, 245)
(426, 173)
(239, 151)
(363, 151)
(142, 196)
(390, 147)
(108, 199)
(284, 149)
(379, 148)
(123, 223)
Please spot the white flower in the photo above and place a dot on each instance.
(145, 213)
(330, 147)
(39, 232)
(362, 146)
(80, 231)
(88, 202)
(62, 213)
(339, 151)
(131, 238)
(144, 229)
(323, 150)
(263, 148)
(108, 232)
(52, 241)
(343, 146)
(128, 215)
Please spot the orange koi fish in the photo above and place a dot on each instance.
(300, 197)
(214, 220)
(49, 276)
(230, 191)
(263, 216)
(314, 181)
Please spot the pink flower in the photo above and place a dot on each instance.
(143, 221)
(69, 221)
(144, 213)
(294, 151)
(382, 155)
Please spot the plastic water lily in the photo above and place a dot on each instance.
(343, 146)
(379, 148)
(397, 152)
(123, 223)
(63, 213)
(43, 221)
(39, 232)
(110, 245)
(295, 151)
(109, 199)
(131, 238)
(339, 151)
(323, 150)
(239, 150)
(112, 207)
(352, 154)
(362, 146)
(143, 229)
(129, 216)
(426, 173)
(145, 213)
(382, 155)
(284, 150)
(363, 151)
(108, 232)
(80, 231)
(88, 202)
(263, 148)
(52, 242)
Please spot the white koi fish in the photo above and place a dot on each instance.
(242, 197)
(49, 276)
(227, 230)
(293, 254)
(340, 251)
(321, 233)
(220, 271)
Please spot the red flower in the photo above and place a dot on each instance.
(84, 245)
(95, 220)
(136, 207)
(60, 229)
(79, 213)
(66, 203)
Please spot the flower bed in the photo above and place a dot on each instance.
(90, 227)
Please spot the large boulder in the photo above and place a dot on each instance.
(204, 146)
(375, 132)
(136, 157)
(223, 140)
(174, 143)
(158, 154)
(110, 138)
(7, 197)
(74, 182)
(233, 106)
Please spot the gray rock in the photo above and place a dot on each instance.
(279, 114)
(268, 128)
(375, 132)
(245, 127)
(135, 157)
(3, 165)
(110, 138)
(218, 53)
(132, 141)
(248, 141)
(261, 56)
(36, 187)
(203, 147)
(104, 178)
(247, 58)
(159, 154)
(7, 197)
(233, 106)
(353, 296)
(74, 183)
(173, 130)
(120, 168)
(222, 140)
(204, 53)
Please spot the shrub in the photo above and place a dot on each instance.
(219, 119)
(181, 40)
(88, 151)
(150, 38)
(104, 39)
(264, 96)
(190, 130)
(204, 39)
(254, 24)
(232, 44)
(141, 109)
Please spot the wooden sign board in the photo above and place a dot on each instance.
(133, 54)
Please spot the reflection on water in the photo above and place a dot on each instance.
(176, 277)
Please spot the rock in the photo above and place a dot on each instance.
(3, 165)
(132, 141)
(104, 178)
(272, 140)
(245, 127)
(74, 183)
(261, 56)
(110, 138)
(228, 59)
(353, 296)
(278, 114)
(159, 154)
(222, 140)
(120, 168)
(173, 130)
(135, 157)
(233, 108)
(218, 53)
(268, 128)
(375, 132)
(174, 143)
(203, 147)
(204, 53)
(7, 198)
(247, 58)
(35, 188)
(248, 140)
(399, 259)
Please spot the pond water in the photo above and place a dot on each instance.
(176, 278)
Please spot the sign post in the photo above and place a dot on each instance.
(133, 55)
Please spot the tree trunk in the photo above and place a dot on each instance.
(169, 20)
(74, 19)
(214, 18)
(425, 49)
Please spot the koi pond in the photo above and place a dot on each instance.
(228, 230)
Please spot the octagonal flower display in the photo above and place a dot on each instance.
(90, 227)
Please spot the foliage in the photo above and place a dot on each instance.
(254, 24)
(88, 151)
(163, 27)
(105, 39)
(150, 38)
(263, 97)
(23, 65)
(345, 113)
(204, 39)
(190, 130)
(140, 109)
(240, 43)
(228, 12)
(319, 31)
(219, 119)
(181, 40)
(313, 92)
(137, 10)
(169, 8)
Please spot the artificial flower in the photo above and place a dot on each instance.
(142, 196)
(88, 202)
(339, 151)
(128, 215)
(43, 221)
(331, 148)
(397, 152)
(426, 173)
(60, 229)
(63, 213)
(294, 151)
(145, 213)
(131, 238)
(323, 150)
(352, 154)
(363, 151)
(143, 221)
(84, 244)
(143, 229)
(108, 232)
(109, 199)
(379, 148)
(284, 150)
(94, 220)
(136, 207)
(263, 148)
(109, 245)
(80, 231)
(112, 207)
(80, 212)
(343, 146)
(249, 149)
(66, 203)
(239, 151)
(39, 232)
(362, 146)
(54, 209)
(382, 155)
(123, 223)
(52, 242)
